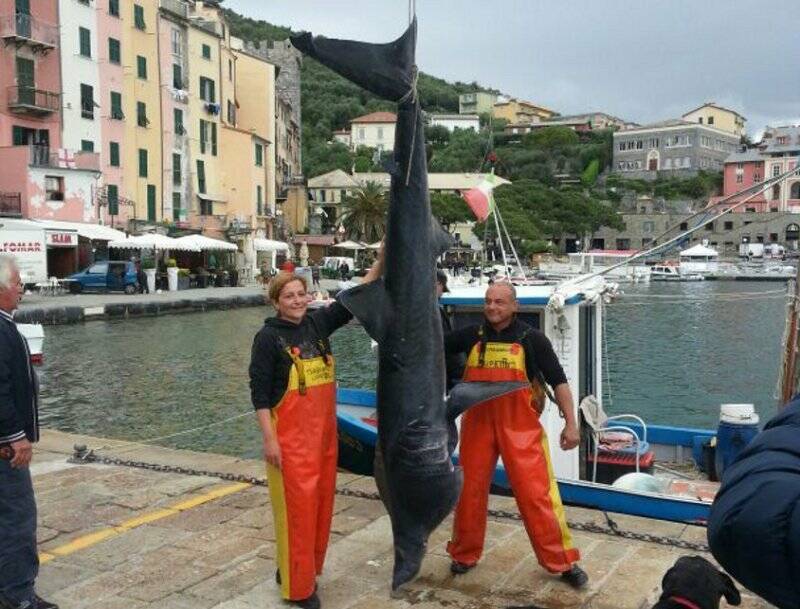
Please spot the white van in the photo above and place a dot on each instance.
(25, 241)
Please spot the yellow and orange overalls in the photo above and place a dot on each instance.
(302, 491)
(508, 426)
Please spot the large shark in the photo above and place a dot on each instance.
(419, 484)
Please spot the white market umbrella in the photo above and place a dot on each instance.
(350, 245)
(207, 243)
(270, 245)
(375, 246)
(153, 241)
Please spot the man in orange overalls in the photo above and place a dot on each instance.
(504, 348)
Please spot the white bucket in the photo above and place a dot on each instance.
(738, 414)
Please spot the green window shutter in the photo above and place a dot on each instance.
(114, 52)
(176, 206)
(151, 203)
(259, 155)
(212, 95)
(214, 139)
(138, 16)
(201, 177)
(85, 37)
(142, 163)
(113, 199)
(87, 146)
(87, 101)
(176, 169)
(141, 66)
(206, 52)
(141, 114)
(177, 76)
(177, 118)
(113, 8)
(259, 200)
(116, 105)
(113, 154)
(202, 136)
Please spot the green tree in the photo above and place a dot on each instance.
(449, 209)
(364, 213)
(437, 135)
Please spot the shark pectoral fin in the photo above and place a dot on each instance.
(369, 305)
(468, 394)
(441, 241)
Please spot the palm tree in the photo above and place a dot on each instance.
(364, 213)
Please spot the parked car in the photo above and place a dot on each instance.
(105, 277)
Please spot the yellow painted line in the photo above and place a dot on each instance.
(91, 539)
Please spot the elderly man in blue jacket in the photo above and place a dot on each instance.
(19, 429)
(754, 528)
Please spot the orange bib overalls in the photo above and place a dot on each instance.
(508, 426)
(302, 490)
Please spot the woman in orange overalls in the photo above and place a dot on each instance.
(293, 390)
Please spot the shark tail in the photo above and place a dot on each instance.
(386, 70)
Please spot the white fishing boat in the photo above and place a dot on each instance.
(671, 271)
(597, 261)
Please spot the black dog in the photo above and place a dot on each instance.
(694, 583)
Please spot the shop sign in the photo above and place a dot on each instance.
(58, 239)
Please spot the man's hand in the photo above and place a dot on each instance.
(23, 453)
(570, 436)
(272, 451)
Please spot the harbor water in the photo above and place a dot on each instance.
(674, 353)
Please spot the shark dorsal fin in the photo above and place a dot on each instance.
(441, 241)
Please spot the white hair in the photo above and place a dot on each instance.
(8, 265)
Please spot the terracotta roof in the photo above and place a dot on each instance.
(376, 117)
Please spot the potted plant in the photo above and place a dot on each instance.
(172, 275)
(149, 268)
(183, 279)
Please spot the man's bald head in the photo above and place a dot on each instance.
(500, 304)
(504, 286)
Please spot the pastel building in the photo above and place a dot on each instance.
(776, 153)
(717, 116)
(375, 130)
(39, 176)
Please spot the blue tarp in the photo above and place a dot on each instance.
(754, 528)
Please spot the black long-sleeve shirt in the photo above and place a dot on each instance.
(270, 365)
(19, 406)
(539, 354)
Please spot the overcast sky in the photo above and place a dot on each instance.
(640, 60)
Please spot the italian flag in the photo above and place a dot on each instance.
(481, 199)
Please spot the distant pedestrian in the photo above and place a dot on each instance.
(344, 271)
(19, 429)
(315, 275)
(141, 279)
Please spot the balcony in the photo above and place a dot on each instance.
(32, 101)
(46, 157)
(176, 7)
(22, 29)
(10, 204)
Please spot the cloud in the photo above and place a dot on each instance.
(643, 61)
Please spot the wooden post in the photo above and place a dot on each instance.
(789, 367)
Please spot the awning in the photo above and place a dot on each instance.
(269, 245)
(153, 241)
(207, 243)
(93, 232)
(350, 245)
(699, 250)
(215, 198)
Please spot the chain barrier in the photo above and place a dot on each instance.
(84, 455)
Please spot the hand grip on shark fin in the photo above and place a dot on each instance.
(369, 304)
(465, 395)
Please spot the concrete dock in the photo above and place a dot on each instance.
(120, 537)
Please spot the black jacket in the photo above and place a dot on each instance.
(754, 527)
(19, 412)
(270, 365)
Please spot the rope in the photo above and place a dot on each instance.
(135, 443)
(411, 95)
